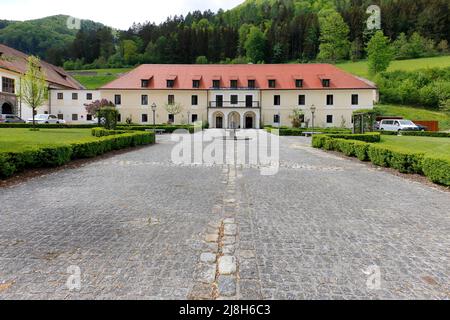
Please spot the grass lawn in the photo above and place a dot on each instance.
(415, 113)
(428, 145)
(23, 139)
(93, 79)
(361, 69)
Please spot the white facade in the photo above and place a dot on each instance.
(69, 105)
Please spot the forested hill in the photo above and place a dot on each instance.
(43, 37)
(256, 31)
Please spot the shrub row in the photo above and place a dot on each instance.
(284, 131)
(101, 132)
(427, 134)
(48, 126)
(167, 128)
(54, 156)
(436, 169)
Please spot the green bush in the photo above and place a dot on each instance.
(167, 128)
(437, 170)
(427, 134)
(53, 156)
(48, 126)
(100, 132)
(372, 137)
(361, 150)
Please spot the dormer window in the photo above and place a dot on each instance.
(216, 84)
(145, 83)
(252, 84)
(170, 83)
(195, 84)
(272, 83)
(299, 83)
(233, 84)
(326, 83)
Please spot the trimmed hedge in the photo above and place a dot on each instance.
(167, 128)
(101, 132)
(436, 169)
(54, 156)
(427, 134)
(284, 131)
(48, 126)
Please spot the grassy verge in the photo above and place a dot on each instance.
(414, 113)
(361, 69)
(12, 140)
(93, 79)
(439, 147)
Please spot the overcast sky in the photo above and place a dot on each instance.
(118, 14)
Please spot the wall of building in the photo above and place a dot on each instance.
(70, 109)
(341, 110)
(131, 104)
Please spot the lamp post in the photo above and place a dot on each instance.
(279, 119)
(154, 113)
(313, 112)
(189, 117)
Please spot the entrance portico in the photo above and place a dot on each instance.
(234, 118)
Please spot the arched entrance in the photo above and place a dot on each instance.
(218, 120)
(234, 120)
(7, 108)
(250, 120)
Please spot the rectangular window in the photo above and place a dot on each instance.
(234, 99)
(219, 101)
(329, 119)
(301, 100)
(276, 118)
(272, 83)
(299, 83)
(170, 83)
(117, 99)
(326, 83)
(144, 83)
(144, 118)
(234, 84)
(89, 117)
(88, 96)
(252, 84)
(74, 117)
(249, 101)
(144, 100)
(194, 100)
(74, 96)
(216, 84)
(195, 84)
(8, 85)
(60, 96)
(330, 100)
(171, 118)
(60, 116)
(194, 118)
(355, 100)
(276, 100)
(171, 99)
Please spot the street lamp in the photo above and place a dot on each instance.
(313, 111)
(154, 113)
(189, 117)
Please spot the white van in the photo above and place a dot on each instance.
(398, 125)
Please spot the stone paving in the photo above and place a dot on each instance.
(139, 227)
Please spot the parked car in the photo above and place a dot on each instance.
(398, 125)
(46, 118)
(10, 118)
(421, 127)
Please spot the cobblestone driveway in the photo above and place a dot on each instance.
(135, 225)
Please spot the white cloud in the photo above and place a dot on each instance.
(118, 14)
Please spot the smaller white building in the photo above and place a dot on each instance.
(69, 105)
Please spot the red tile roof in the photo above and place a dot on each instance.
(16, 61)
(284, 74)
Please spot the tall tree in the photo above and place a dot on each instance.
(255, 45)
(334, 43)
(33, 89)
(379, 53)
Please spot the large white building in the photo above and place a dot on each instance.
(227, 96)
